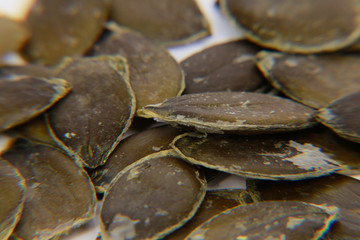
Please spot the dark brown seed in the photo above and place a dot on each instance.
(223, 67)
(89, 123)
(215, 202)
(132, 149)
(297, 26)
(343, 116)
(13, 35)
(59, 194)
(268, 220)
(314, 80)
(63, 28)
(151, 198)
(23, 97)
(262, 156)
(12, 198)
(234, 112)
(169, 22)
(340, 191)
(154, 74)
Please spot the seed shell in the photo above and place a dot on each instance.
(12, 197)
(151, 198)
(232, 112)
(268, 220)
(13, 35)
(32, 70)
(89, 123)
(314, 80)
(301, 26)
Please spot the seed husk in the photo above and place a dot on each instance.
(59, 194)
(232, 112)
(24, 97)
(224, 67)
(314, 80)
(32, 70)
(12, 197)
(169, 22)
(273, 157)
(63, 28)
(151, 198)
(340, 191)
(297, 27)
(154, 74)
(13, 35)
(268, 220)
(215, 202)
(132, 149)
(343, 116)
(89, 123)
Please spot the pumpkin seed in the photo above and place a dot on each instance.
(263, 157)
(151, 198)
(89, 123)
(167, 22)
(63, 28)
(154, 74)
(342, 116)
(297, 26)
(312, 80)
(224, 67)
(59, 194)
(12, 197)
(23, 97)
(234, 112)
(13, 35)
(340, 191)
(32, 70)
(268, 220)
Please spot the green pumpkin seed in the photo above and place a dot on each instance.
(297, 26)
(268, 220)
(23, 97)
(151, 198)
(314, 80)
(154, 74)
(12, 198)
(59, 194)
(168, 22)
(89, 123)
(343, 116)
(63, 28)
(13, 35)
(224, 67)
(340, 191)
(234, 112)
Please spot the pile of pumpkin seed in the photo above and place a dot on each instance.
(102, 111)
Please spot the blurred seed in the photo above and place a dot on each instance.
(312, 80)
(32, 70)
(232, 112)
(13, 35)
(12, 198)
(298, 26)
(268, 220)
(169, 22)
(343, 116)
(151, 198)
(24, 97)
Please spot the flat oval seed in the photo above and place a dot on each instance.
(234, 112)
(13, 35)
(154, 74)
(132, 149)
(12, 198)
(89, 123)
(32, 70)
(63, 28)
(312, 80)
(170, 22)
(263, 157)
(268, 220)
(59, 194)
(300, 26)
(151, 198)
(23, 97)
(224, 67)
(343, 116)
